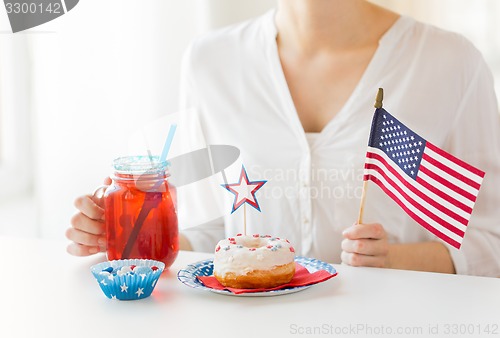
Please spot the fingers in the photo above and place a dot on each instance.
(359, 231)
(83, 223)
(89, 208)
(355, 259)
(87, 231)
(365, 245)
(369, 247)
(76, 249)
(85, 238)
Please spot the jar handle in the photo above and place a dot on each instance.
(99, 191)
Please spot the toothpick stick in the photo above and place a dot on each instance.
(244, 219)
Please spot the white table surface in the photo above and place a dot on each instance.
(44, 292)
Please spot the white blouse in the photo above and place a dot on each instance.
(435, 82)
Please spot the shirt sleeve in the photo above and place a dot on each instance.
(203, 228)
(475, 138)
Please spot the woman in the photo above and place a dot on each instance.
(294, 89)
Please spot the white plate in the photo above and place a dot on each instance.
(205, 268)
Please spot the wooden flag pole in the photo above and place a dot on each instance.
(377, 105)
(362, 204)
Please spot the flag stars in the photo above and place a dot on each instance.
(400, 144)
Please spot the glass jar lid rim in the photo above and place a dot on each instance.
(140, 163)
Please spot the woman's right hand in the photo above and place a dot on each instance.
(87, 231)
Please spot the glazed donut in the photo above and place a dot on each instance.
(253, 262)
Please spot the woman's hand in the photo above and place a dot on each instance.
(365, 245)
(88, 232)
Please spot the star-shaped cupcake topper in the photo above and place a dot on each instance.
(244, 191)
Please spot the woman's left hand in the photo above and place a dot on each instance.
(365, 245)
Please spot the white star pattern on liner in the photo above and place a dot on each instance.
(124, 287)
(139, 292)
(113, 297)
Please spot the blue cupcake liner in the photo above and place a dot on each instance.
(129, 286)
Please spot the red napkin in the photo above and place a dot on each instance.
(302, 277)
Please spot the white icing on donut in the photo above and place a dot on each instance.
(242, 254)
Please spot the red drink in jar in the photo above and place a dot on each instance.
(141, 219)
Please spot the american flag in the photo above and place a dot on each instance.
(434, 188)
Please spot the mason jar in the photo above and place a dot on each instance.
(140, 211)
